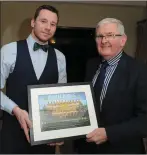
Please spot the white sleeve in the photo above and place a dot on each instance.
(61, 61)
(8, 59)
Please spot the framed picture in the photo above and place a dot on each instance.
(61, 111)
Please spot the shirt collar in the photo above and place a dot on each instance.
(31, 41)
(115, 59)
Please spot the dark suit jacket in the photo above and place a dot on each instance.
(124, 109)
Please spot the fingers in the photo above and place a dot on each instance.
(56, 144)
(92, 139)
(60, 143)
(100, 141)
(25, 124)
(23, 118)
(98, 136)
(26, 131)
(52, 144)
(28, 122)
(91, 134)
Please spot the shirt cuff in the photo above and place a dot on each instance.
(7, 104)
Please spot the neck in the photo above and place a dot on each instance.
(110, 57)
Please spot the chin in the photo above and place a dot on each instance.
(105, 52)
(44, 39)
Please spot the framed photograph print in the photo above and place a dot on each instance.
(60, 111)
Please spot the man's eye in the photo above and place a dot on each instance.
(99, 36)
(109, 35)
(53, 24)
(43, 21)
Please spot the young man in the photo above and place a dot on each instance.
(120, 86)
(28, 62)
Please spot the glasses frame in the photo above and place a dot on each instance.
(107, 37)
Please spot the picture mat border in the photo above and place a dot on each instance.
(38, 137)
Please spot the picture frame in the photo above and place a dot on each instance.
(61, 111)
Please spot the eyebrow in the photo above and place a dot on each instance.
(42, 19)
(53, 22)
(47, 20)
(110, 33)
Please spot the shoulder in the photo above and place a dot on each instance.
(8, 49)
(136, 65)
(9, 45)
(134, 61)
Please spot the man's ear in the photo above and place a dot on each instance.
(123, 40)
(32, 23)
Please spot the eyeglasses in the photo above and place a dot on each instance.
(108, 36)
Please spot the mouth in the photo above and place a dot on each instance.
(48, 34)
(105, 46)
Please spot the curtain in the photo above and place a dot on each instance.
(141, 50)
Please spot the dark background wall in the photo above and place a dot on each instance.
(78, 45)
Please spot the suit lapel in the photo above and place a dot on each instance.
(116, 79)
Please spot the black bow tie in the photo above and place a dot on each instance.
(38, 46)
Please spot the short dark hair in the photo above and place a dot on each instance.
(46, 7)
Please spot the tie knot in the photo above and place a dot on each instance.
(105, 64)
(38, 46)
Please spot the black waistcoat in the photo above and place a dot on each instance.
(13, 138)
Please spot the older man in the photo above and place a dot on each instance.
(120, 86)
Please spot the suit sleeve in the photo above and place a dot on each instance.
(137, 125)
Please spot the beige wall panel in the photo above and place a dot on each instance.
(15, 18)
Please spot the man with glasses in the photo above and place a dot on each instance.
(120, 86)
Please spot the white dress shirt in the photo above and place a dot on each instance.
(39, 58)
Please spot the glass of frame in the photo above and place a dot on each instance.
(61, 111)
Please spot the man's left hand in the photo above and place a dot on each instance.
(56, 144)
(98, 136)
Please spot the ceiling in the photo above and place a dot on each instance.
(125, 3)
(129, 3)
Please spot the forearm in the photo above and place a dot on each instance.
(7, 104)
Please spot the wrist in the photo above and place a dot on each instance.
(15, 110)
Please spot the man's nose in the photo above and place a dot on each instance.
(48, 26)
(104, 39)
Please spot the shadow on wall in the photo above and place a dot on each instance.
(25, 29)
(23, 32)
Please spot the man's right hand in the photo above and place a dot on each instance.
(23, 119)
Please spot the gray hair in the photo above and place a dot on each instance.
(119, 24)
